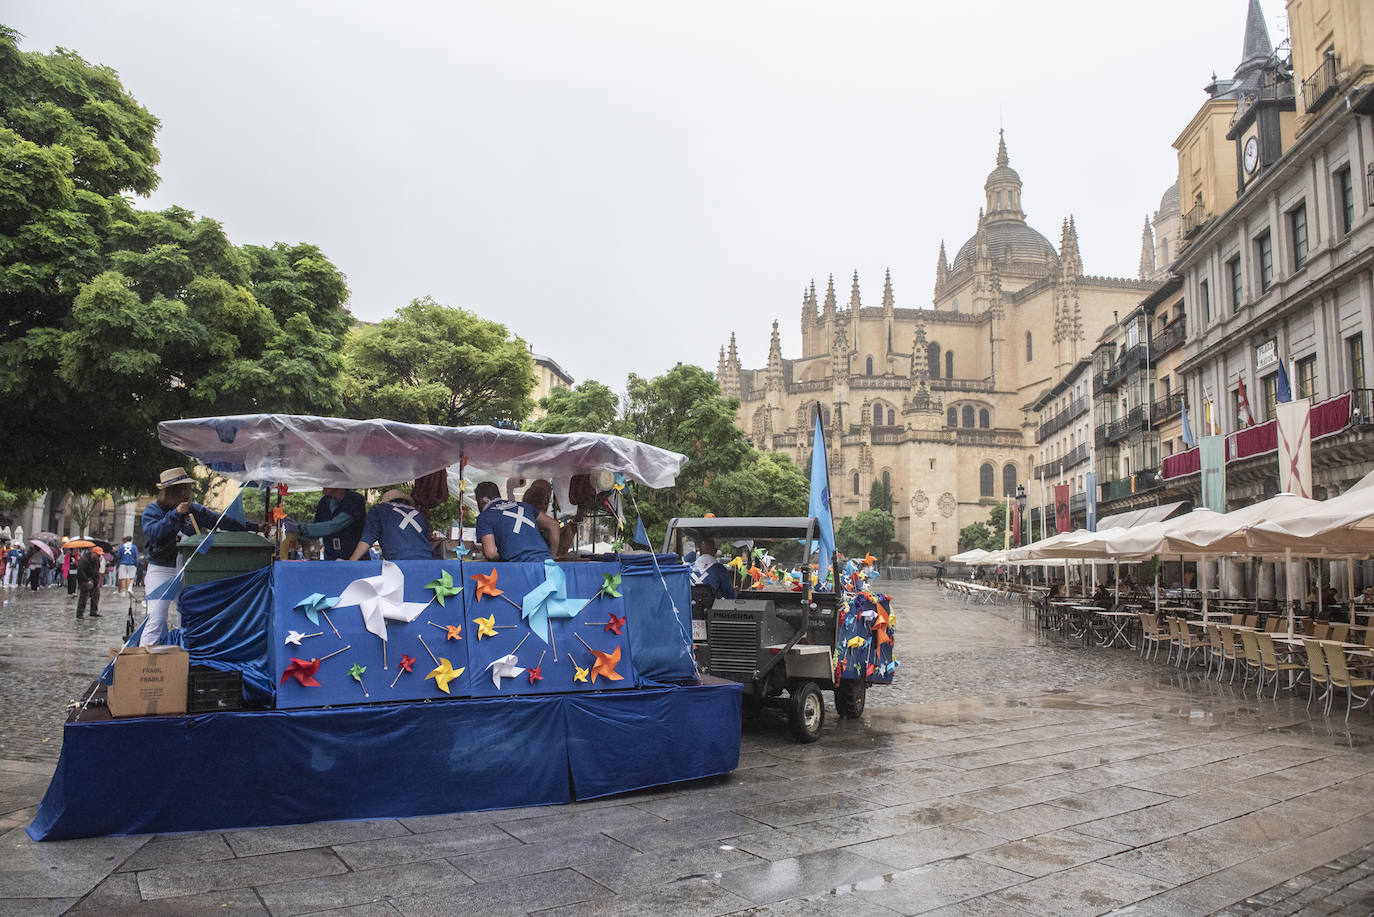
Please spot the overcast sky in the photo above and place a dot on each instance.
(623, 184)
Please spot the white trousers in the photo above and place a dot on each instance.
(11, 573)
(155, 625)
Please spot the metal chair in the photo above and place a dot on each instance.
(1343, 679)
(1270, 662)
(1316, 673)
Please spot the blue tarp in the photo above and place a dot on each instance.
(246, 769)
(658, 597)
(225, 625)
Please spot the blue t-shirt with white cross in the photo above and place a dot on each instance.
(402, 530)
(516, 531)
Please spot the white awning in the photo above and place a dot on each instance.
(1134, 517)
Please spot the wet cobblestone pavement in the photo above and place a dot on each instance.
(1005, 773)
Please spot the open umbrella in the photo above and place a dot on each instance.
(48, 538)
(77, 543)
(43, 546)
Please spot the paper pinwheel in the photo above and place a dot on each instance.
(486, 627)
(610, 586)
(294, 638)
(455, 631)
(619, 481)
(381, 599)
(736, 562)
(869, 672)
(549, 600)
(504, 667)
(486, 584)
(313, 604)
(444, 673)
(356, 671)
(443, 587)
(605, 665)
(869, 560)
(303, 671)
(615, 624)
(579, 673)
(536, 674)
(855, 643)
(407, 663)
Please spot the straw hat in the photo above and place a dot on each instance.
(172, 477)
(397, 495)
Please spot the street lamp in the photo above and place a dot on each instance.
(1021, 509)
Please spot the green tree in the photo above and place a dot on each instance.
(880, 496)
(987, 536)
(870, 531)
(113, 318)
(439, 365)
(587, 407)
(768, 484)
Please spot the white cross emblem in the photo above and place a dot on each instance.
(408, 519)
(519, 517)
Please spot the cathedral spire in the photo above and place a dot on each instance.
(733, 352)
(1147, 251)
(775, 350)
(941, 268)
(1070, 260)
(720, 367)
(828, 313)
(808, 315)
(854, 304)
(1002, 157)
(889, 304)
(919, 360)
(1003, 188)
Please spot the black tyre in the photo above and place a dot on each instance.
(850, 695)
(806, 712)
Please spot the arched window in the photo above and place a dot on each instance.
(891, 417)
(868, 366)
(887, 480)
(878, 415)
(985, 476)
(984, 418)
(933, 359)
(1028, 347)
(949, 364)
(856, 483)
(968, 415)
(952, 417)
(1009, 480)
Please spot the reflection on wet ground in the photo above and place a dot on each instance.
(1005, 773)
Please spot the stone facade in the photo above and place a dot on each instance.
(937, 400)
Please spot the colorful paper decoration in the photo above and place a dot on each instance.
(549, 600)
(615, 624)
(451, 631)
(443, 587)
(537, 673)
(610, 585)
(486, 627)
(444, 673)
(737, 563)
(294, 638)
(855, 643)
(486, 584)
(505, 667)
(303, 671)
(605, 665)
(313, 604)
(381, 598)
(869, 560)
(406, 664)
(579, 673)
(356, 671)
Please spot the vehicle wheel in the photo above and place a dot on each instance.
(849, 697)
(806, 712)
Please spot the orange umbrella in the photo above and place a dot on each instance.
(77, 543)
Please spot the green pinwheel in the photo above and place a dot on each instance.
(610, 587)
(357, 672)
(443, 587)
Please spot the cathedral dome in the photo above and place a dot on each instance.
(1007, 241)
(1169, 202)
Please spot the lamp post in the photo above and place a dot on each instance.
(1021, 510)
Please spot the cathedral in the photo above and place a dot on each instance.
(936, 400)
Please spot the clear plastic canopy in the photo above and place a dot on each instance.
(308, 453)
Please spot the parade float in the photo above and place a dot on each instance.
(374, 689)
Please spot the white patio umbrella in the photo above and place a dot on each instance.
(974, 556)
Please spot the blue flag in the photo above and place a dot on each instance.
(641, 536)
(235, 510)
(1188, 439)
(206, 543)
(1283, 393)
(820, 501)
(167, 590)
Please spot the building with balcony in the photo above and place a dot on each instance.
(1064, 442)
(935, 400)
(1286, 272)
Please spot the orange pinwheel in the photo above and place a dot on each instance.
(605, 665)
(455, 631)
(276, 514)
(869, 559)
(486, 584)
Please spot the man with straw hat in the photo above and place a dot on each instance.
(165, 520)
(401, 529)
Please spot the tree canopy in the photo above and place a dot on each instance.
(436, 364)
(588, 407)
(869, 530)
(987, 536)
(112, 318)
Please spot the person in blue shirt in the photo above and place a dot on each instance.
(400, 528)
(707, 571)
(512, 531)
(338, 521)
(126, 564)
(164, 521)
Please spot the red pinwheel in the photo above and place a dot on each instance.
(871, 667)
(407, 662)
(303, 671)
(536, 675)
(615, 623)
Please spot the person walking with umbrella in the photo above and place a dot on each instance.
(88, 579)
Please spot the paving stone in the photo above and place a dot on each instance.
(686, 898)
(907, 851)
(684, 832)
(1025, 821)
(1090, 889)
(505, 896)
(368, 886)
(238, 902)
(179, 848)
(1047, 853)
(256, 841)
(177, 881)
(837, 902)
(641, 870)
(779, 815)
(807, 874)
(411, 848)
(540, 856)
(946, 882)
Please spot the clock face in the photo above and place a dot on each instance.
(1251, 154)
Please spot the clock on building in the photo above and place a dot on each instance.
(1251, 154)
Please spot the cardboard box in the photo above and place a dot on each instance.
(149, 681)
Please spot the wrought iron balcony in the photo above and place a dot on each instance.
(1194, 220)
(1062, 419)
(1320, 86)
(1169, 406)
(1171, 337)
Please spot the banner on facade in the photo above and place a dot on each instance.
(1062, 521)
(1212, 455)
(1092, 501)
(1295, 447)
(1016, 523)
